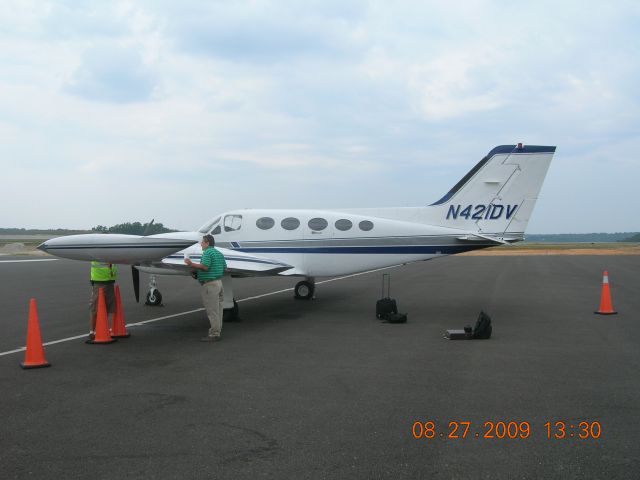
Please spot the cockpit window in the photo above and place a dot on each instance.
(206, 228)
(232, 223)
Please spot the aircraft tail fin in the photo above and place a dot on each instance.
(496, 197)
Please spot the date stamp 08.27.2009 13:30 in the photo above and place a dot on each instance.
(553, 430)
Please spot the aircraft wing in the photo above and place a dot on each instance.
(239, 264)
(161, 254)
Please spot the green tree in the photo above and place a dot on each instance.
(133, 228)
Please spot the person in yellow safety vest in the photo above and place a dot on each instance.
(103, 275)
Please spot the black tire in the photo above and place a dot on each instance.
(304, 290)
(231, 314)
(154, 299)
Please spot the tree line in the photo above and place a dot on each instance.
(133, 228)
(583, 237)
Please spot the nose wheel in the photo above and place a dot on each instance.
(304, 290)
(154, 297)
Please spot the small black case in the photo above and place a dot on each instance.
(395, 318)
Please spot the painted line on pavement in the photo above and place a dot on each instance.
(38, 260)
(143, 322)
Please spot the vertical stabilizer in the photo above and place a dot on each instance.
(497, 196)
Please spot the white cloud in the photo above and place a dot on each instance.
(112, 74)
(318, 104)
(455, 84)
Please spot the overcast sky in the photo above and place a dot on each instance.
(120, 111)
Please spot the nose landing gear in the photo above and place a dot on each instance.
(154, 297)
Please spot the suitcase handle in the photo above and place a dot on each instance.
(388, 278)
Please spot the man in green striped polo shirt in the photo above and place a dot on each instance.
(209, 274)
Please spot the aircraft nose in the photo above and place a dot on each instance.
(43, 246)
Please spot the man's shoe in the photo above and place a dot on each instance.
(210, 338)
(90, 338)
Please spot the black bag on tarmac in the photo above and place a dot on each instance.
(386, 304)
(483, 328)
(395, 318)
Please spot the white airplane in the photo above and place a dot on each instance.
(490, 205)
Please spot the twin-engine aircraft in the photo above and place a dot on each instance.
(490, 205)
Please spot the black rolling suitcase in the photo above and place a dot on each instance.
(386, 305)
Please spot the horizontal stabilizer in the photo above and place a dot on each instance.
(478, 237)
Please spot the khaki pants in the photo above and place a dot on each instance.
(109, 300)
(212, 296)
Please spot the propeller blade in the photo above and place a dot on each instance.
(148, 228)
(135, 273)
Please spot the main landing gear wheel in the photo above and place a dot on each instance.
(231, 314)
(304, 290)
(154, 298)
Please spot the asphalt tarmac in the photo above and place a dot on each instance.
(321, 388)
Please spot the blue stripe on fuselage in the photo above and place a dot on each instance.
(394, 250)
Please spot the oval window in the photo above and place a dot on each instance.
(365, 225)
(343, 224)
(290, 223)
(265, 223)
(317, 224)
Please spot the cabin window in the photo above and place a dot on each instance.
(318, 224)
(265, 223)
(216, 231)
(290, 223)
(343, 224)
(365, 225)
(232, 223)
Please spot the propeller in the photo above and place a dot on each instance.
(147, 228)
(135, 273)
(136, 282)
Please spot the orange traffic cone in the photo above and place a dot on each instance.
(118, 329)
(102, 323)
(34, 354)
(605, 298)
